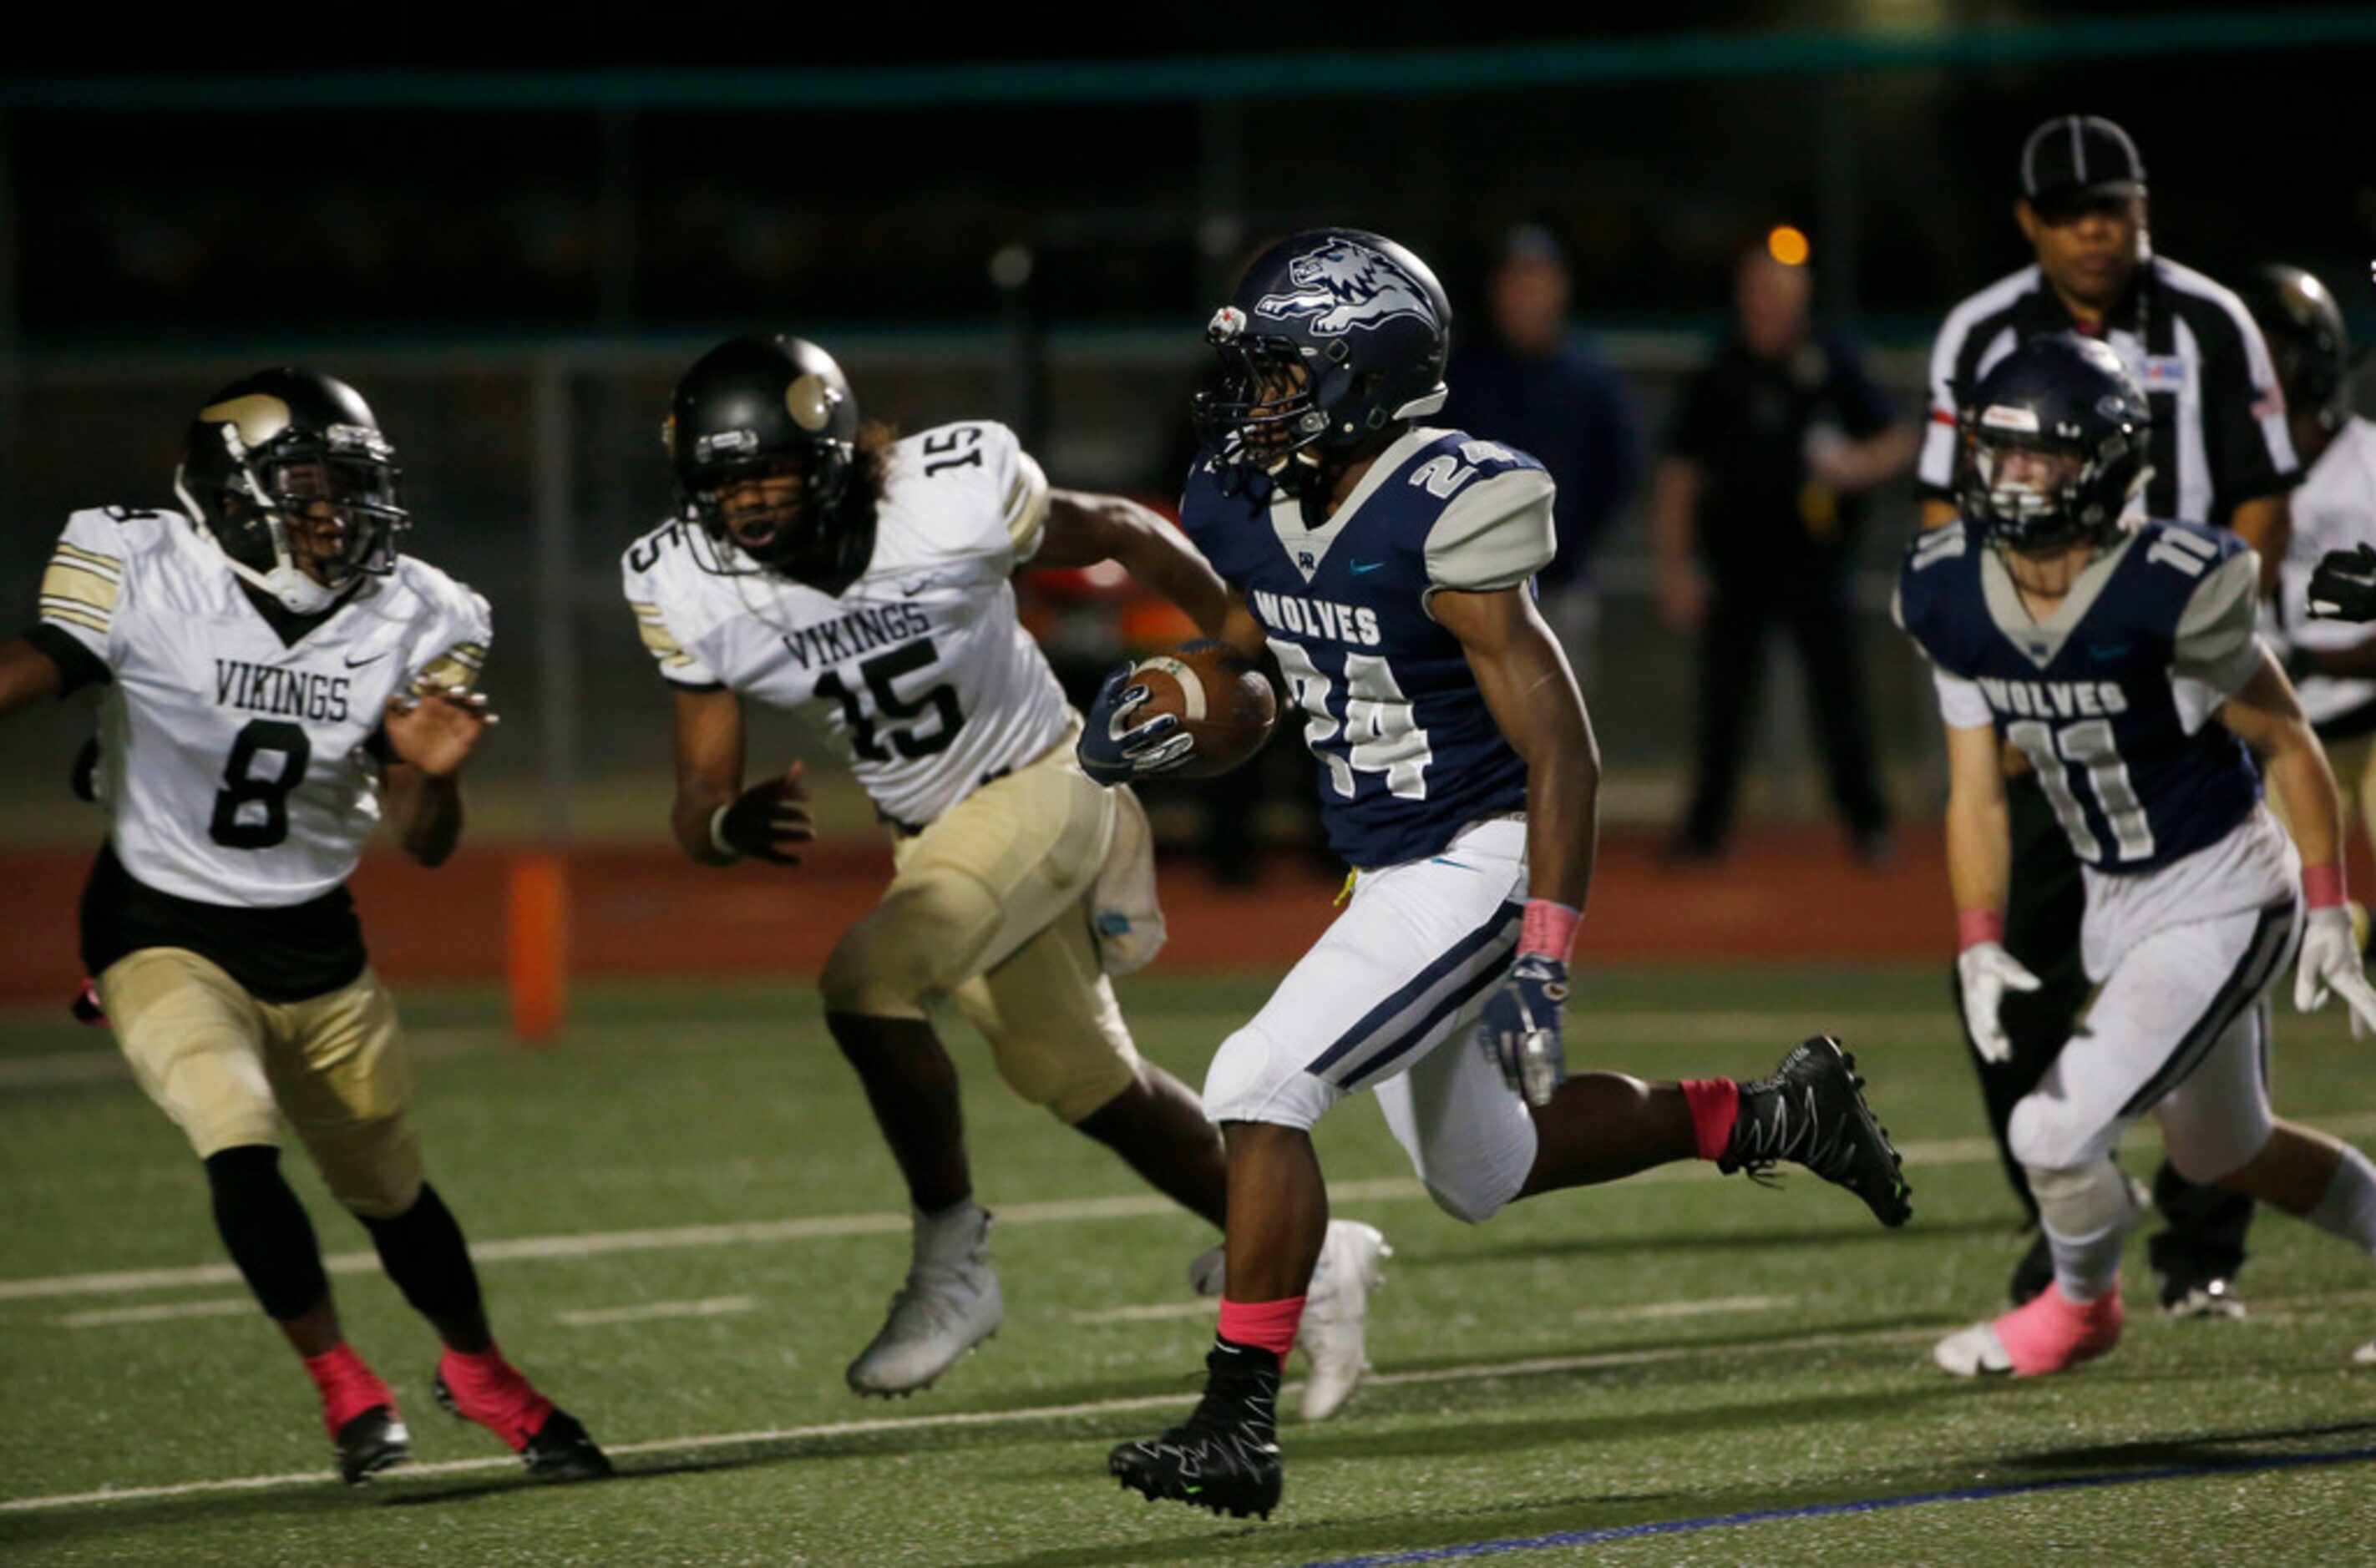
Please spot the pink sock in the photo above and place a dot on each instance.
(2052, 1333)
(349, 1385)
(491, 1392)
(1265, 1325)
(1715, 1105)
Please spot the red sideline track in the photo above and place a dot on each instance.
(1781, 896)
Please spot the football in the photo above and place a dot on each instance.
(1220, 698)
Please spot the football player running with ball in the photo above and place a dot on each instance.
(864, 583)
(277, 677)
(2120, 657)
(1386, 568)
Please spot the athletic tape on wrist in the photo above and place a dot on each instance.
(1548, 929)
(2322, 886)
(1976, 926)
(718, 832)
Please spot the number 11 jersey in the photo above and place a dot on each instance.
(2111, 697)
(920, 672)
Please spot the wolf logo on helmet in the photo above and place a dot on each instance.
(1345, 284)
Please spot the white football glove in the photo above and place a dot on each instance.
(1989, 971)
(2330, 961)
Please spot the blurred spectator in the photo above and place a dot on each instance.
(1531, 386)
(1775, 442)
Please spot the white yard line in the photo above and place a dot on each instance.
(230, 1306)
(1932, 1154)
(1161, 1311)
(1174, 1400)
(644, 1312)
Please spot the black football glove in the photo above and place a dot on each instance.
(2343, 586)
(767, 821)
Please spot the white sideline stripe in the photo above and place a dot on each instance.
(1392, 1189)
(101, 1065)
(715, 1306)
(1481, 1372)
(232, 1306)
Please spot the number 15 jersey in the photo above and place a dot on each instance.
(2111, 697)
(920, 672)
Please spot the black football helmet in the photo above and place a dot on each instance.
(2304, 329)
(1333, 336)
(2063, 396)
(288, 466)
(754, 407)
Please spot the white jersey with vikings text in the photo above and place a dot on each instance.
(920, 671)
(2333, 509)
(233, 765)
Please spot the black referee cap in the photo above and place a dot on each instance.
(2072, 157)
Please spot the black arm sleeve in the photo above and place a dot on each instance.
(78, 666)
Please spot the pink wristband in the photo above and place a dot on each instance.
(2322, 886)
(1976, 926)
(1548, 929)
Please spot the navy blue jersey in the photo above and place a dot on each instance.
(2111, 697)
(1408, 751)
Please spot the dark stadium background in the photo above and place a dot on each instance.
(512, 237)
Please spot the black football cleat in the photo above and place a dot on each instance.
(1225, 1455)
(371, 1442)
(561, 1450)
(1811, 1110)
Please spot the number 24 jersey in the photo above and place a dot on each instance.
(2111, 697)
(920, 672)
(235, 768)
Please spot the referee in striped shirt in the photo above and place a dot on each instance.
(2221, 455)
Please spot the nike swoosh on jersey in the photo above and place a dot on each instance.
(1361, 566)
(355, 664)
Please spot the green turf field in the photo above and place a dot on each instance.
(1679, 1349)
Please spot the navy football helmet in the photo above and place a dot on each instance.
(288, 465)
(2060, 396)
(1333, 336)
(2304, 328)
(754, 407)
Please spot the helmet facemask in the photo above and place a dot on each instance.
(775, 513)
(1266, 416)
(304, 516)
(2036, 490)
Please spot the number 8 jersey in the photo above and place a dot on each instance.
(920, 671)
(2110, 697)
(238, 769)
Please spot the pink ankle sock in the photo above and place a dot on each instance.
(1266, 1326)
(349, 1385)
(1715, 1105)
(491, 1392)
(2052, 1333)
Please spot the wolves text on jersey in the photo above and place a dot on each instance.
(1317, 617)
(2055, 699)
(293, 694)
(861, 631)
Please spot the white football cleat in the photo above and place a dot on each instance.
(950, 1303)
(1974, 1352)
(1337, 1315)
(2365, 1355)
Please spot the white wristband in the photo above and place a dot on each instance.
(717, 833)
